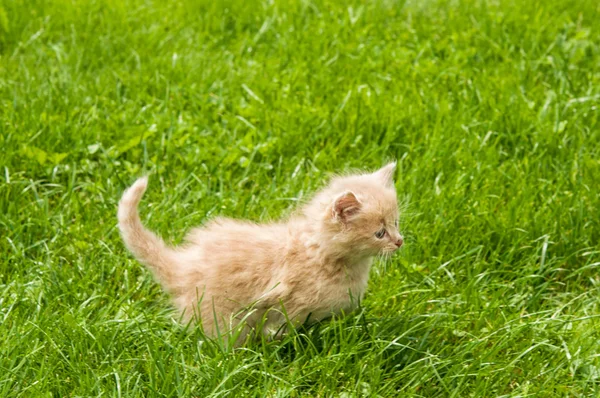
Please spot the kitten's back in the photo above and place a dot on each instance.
(237, 257)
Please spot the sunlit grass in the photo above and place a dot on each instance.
(241, 108)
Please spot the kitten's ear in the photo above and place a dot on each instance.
(345, 205)
(386, 174)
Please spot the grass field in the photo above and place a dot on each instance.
(237, 107)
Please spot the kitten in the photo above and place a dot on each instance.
(308, 268)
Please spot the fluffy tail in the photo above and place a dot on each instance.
(148, 248)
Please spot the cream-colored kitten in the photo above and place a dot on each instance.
(308, 268)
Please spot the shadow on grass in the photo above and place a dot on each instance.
(392, 343)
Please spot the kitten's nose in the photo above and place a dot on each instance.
(399, 242)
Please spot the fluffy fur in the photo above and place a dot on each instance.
(309, 268)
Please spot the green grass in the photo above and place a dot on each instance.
(237, 107)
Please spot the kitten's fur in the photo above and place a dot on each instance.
(312, 266)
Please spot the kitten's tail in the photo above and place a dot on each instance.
(148, 248)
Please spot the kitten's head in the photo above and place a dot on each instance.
(361, 212)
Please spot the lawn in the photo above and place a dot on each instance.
(241, 108)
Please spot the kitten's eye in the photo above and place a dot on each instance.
(396, 224)
(380, 234)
